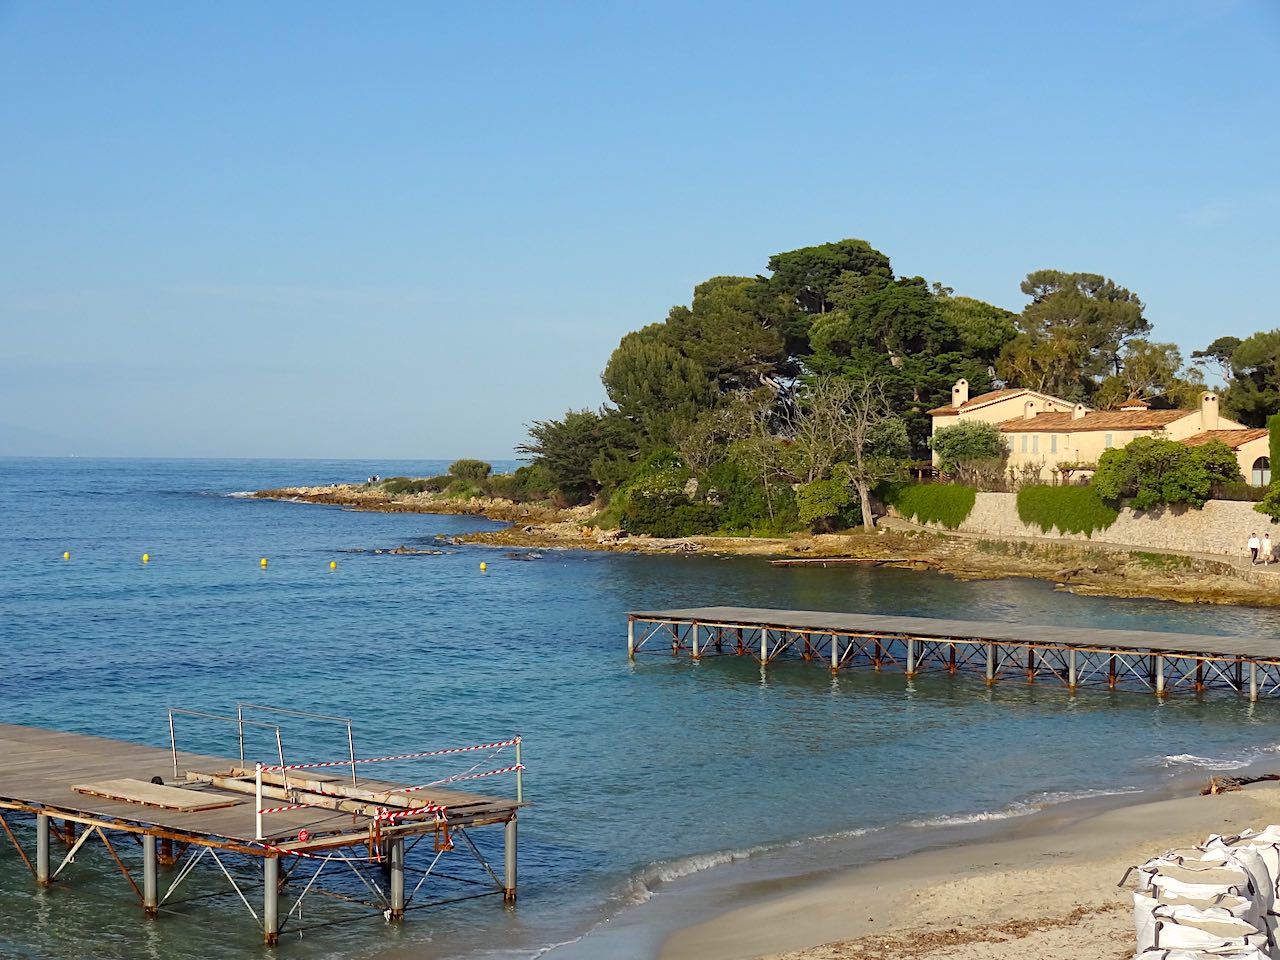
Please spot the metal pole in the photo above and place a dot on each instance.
(631, 639)
(351, 745)
(258, 801)
(395, 857)
(911, 657)
(519, 772)
(270, 900)
(42, 849)
(764, 645)
(1159, 668)
(1253, 682)
(991, 663)
(150, 888)
(695, 640)
(1071, 669)
(173, 742)
(835, 653)
(509, 862)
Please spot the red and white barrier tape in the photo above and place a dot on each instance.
(402, 756)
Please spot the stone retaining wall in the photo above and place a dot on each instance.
(1221, 526)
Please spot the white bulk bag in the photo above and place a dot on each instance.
(1231, 932)
(1147, 911)
(1220, 953)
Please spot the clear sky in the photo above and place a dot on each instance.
(407, 230)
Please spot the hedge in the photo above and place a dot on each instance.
(946, 503)
(1067, 509)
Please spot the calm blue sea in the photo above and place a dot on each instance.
(653, 784)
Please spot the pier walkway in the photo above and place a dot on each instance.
(273, 829)
(1160, 662)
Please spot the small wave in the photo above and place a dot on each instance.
(1020, 808)
(241, 494)
(1208, 763)
(640, 888)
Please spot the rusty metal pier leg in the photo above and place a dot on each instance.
(150, 886)
(1072, 674)
(395, 860)
(991, 663)
(693, 632)
(509, 862)
(911, 657)
(42, 849)
(271, 900)
(1253, 682)
(1159, 671)
(631, 639)
(835, 653)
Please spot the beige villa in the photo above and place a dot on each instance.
(1045, 431)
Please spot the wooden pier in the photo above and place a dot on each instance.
(279, 825)
(1159, 662)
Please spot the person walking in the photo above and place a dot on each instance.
(1266, 547)
(1254, 547)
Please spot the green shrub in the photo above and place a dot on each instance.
(828, 505)
(946, 503)
(1153, 472)
(397, 486)
(1065, 509)
(477, 471)
(528, 483)
(1238, 490)
(667, 514)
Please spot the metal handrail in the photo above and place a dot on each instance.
(346, 721)
(240, 722)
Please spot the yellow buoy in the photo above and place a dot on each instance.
(483, 566)
(146, 558)
(333, 564)
(263, 561)
(66, 554)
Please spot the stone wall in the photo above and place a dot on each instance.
(1221, 527)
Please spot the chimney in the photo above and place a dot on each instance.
(1029, 410)
(960, 393)
(1078, 411)
(1208, 411)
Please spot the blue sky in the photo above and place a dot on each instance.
(407, 230)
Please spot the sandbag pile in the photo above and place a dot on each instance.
(1216, 900)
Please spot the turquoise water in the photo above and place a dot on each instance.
(646, 779)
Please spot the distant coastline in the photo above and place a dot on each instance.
(1083, 568)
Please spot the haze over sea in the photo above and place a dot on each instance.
(656, 787)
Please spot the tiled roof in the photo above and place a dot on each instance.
(1232, 438)
(979, 399)
(1095, 420)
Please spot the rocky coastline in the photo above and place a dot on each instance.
(1083, 568)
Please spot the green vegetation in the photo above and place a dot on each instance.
(785, 391)
(1065, 509)
(476, 471)
(971, 450)
(946, 503)
(1153, 472)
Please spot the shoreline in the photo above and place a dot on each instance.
(1086, 568)
(1045, 887)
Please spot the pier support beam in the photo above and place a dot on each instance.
(509, 862)
(693, 633)
(42, 849)
(150, 886)
(631, 639)
(1159, 672)
(911, 657)
(991, 663)
(395, 860)
(1253, 683)
(271, 900)
(835, 653)
(1072, 671)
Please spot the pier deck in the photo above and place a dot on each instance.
(1076, 656)
(309, 815)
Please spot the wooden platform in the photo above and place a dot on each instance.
(1079, 656)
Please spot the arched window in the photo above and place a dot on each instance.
(1261, 475)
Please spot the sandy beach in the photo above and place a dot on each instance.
(1052, 895)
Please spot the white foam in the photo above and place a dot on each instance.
(1020, 808)
(240, 494)
(1207, 763)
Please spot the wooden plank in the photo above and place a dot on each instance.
(155, 795)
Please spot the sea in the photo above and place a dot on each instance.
(659, 791)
